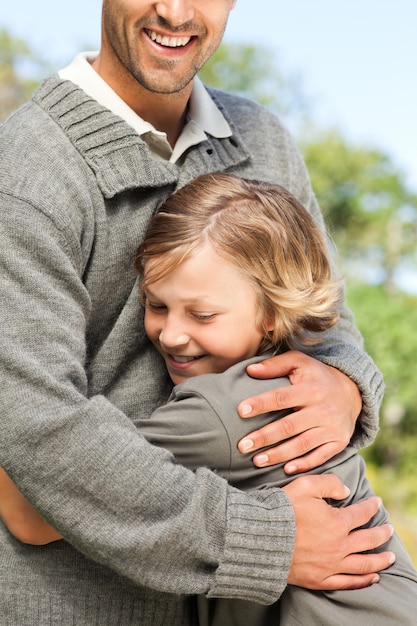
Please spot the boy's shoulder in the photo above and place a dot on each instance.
(232, 386)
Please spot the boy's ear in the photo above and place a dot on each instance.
(270, 324)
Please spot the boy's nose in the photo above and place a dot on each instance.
(172, 336)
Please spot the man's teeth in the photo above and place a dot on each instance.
(170, 42)
(185, 359)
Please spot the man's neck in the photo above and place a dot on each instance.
(166, 112)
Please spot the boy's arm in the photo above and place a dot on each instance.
(21, 518)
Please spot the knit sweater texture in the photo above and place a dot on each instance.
(142, 534)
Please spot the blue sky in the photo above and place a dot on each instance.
(357, 57)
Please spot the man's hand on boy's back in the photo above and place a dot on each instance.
(330, 546)
(326, 405)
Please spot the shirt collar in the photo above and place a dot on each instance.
(203, 114)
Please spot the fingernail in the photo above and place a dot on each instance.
(245, 409)
(261, 459)
(375, 580)
(290, 469)
(246, 445)
(392, 559)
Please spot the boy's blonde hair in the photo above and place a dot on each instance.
(266, 234)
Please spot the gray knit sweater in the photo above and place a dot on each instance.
(77, 188)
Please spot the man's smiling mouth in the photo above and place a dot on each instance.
(169, 42)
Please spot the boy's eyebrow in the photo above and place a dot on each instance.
(193, 300)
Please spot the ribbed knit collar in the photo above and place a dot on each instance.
(120, 159)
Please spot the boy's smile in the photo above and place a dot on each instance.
(202, 317)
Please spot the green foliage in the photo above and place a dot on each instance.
(388, 322)
(370, 212)
(254, 72)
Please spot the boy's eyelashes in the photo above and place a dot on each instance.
(204, 317)
(201, 316)
(155, 306)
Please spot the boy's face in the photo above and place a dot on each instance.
(202, 317)
(162, 45)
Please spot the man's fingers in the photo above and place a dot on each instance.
(331, 545)
(305, 448)
(295, 453)
(360, 570)
(276, 399)
(359, 514)
(366, 539)
(278, 431)
(301, 453)
(309, 461)
(354, 516)
(345, 582)
(319, 486)
(280, 365)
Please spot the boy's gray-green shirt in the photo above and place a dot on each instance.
(211, 440)
(77, 189)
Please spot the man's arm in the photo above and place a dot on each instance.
(80, 460)
(85, 467)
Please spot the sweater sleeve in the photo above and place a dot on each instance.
(82, 462)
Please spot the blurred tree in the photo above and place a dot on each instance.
(17, 60)
(254, 72)
(371, 213)
(388, 322)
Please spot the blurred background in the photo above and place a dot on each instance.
(342, 77)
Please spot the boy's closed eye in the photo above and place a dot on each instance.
(204, 317)
(155, 306)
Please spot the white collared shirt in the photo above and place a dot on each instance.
(203, 115)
